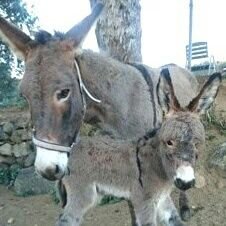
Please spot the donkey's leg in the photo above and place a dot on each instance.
(79, 202)
(61, 193)
(184, 208)
(168, 214)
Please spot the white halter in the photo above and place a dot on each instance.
(83, 87)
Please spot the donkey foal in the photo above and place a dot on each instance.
(146, 172)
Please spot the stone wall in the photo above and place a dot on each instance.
(16, 149)
(15, 144)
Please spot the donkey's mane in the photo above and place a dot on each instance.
(43, 37)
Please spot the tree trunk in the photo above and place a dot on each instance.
(118, 30)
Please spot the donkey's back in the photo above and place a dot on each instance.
(128, 93)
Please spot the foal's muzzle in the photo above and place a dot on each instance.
(185, 177)
(184, 185)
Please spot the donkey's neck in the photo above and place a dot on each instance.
(151, 161)
(99, 72)
(125, 107)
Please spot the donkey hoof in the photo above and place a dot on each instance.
(185, 213)
(62, 221)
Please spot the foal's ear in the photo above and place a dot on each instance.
(165, 92)
(207, 95)
(79, 31)
(16, 39)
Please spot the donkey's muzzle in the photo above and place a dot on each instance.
(182, 185)
(53, 173)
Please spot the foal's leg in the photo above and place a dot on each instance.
(145, 213)
(168, 214)
(185, 211)
(132, 213)
(79, 202)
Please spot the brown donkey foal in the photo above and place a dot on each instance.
(145, 172)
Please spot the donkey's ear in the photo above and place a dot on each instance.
(165, 92)
(207, 94)
(79, 31)
(16, 39)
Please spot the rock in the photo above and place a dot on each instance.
(11, 220)
(6, 149)
(8, 128)
(20, 150)
(3, 137)
(9, 160)
(29, 183)
(21, 123)
(16, 137)
(218, 160)
(200, 181)
(220, 184)
(4, 174)
(29, 161)
(20, 161)
(25, 135)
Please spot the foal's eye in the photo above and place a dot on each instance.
(170, 143)
(63, 94)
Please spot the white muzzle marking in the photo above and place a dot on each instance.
(185, 173)
(48, 159)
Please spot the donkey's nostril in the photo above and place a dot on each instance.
(178, 183)
(53, 173)
(57, 169)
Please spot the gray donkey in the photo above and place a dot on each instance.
(145, 172)
(54, 67)
(52, 84)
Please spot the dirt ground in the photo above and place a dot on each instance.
(208, 202)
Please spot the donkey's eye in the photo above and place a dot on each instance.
(196, 156)
(63, 94)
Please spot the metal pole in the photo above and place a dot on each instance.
(190, 34)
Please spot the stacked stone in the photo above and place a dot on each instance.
(17, 156)
(15, 144)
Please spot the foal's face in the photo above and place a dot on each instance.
(182, 138)
(51, 88)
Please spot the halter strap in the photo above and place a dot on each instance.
(61, 148)
(51, 146)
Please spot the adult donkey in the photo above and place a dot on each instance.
(53, 87)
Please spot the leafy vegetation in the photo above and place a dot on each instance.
(8, 174)
(211, 120)
(16, 12)
(109, 199)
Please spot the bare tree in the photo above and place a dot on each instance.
(118, 31)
